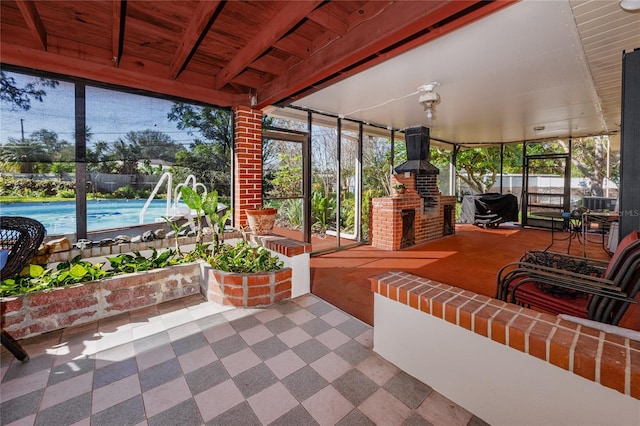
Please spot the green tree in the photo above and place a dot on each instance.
(287, 177)
(141, 145)
(376, 155)
(589, 158)
(37, 152)
(479, 168)
(19, 97)
(209, 155)
(126, 154)
(25, 155)
(99, 160)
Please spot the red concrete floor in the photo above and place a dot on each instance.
(470, 259)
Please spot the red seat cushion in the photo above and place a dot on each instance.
(626, 242)
(530, 295)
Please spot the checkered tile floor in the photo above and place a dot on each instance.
(191, 362)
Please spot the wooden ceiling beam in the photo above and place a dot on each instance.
(32, 18)
(64, 65)
(400, 21)
(332, 22)
(192, 36)
(290, 14)
(117, 30)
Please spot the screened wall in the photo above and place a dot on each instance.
(64, 142)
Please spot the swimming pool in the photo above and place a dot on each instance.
(60, 217)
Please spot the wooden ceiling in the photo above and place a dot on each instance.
(227, 53)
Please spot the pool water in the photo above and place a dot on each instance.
(60, 217)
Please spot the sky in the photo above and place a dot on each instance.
(110, 114)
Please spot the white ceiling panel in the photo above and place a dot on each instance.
(522, 67)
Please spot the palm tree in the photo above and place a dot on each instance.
(26, 153)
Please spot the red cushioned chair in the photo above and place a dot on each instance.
(563, 284)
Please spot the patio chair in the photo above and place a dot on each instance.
(563, 284)
(20, 238)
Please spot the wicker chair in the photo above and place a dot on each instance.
(563, 284)
(20, 238)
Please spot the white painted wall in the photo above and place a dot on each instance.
(503, 386)
(300, 273)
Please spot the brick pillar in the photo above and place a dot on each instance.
(247, 183)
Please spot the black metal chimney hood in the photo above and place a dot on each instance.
(418, 142)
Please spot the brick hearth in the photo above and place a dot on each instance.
(386, 212)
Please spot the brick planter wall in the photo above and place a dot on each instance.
(43, 311)
(40, 312)
(246, 290)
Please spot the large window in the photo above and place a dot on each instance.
(135, 144)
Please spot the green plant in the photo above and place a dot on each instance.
(210, 207)
(322, 209)
(399, 186)
(244, 258)
(77, 270)
(37, 277)
(126, 263)
(292, 212)
(66, 193)
(348, 214)
(207, 204)
(176, 229)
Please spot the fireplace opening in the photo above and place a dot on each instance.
(408, 233)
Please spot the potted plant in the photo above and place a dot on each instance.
(400, 188)
(261, 220)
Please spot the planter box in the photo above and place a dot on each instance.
(246, 290)
(35, 313)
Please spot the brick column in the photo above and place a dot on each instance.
(247, 128)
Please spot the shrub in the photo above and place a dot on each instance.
(130, 193)
(244, 258)
(66, 193)
(10, 186)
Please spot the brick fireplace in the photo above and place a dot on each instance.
(422, 213)
(429, 220)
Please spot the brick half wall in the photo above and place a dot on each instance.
(505, 363)
(43, 311)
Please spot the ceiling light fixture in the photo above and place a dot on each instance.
(538, 128)
(630, 5)
(428, 98)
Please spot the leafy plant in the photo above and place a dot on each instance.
(176, 229)
(210, 207)
(37, 277)
(322, 209)
(126, 263)
(207, 204)
(348, 214)
(66, 193)
(244, 258)
(292, 211)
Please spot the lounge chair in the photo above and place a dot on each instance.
(20, 238)
(563, 284)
